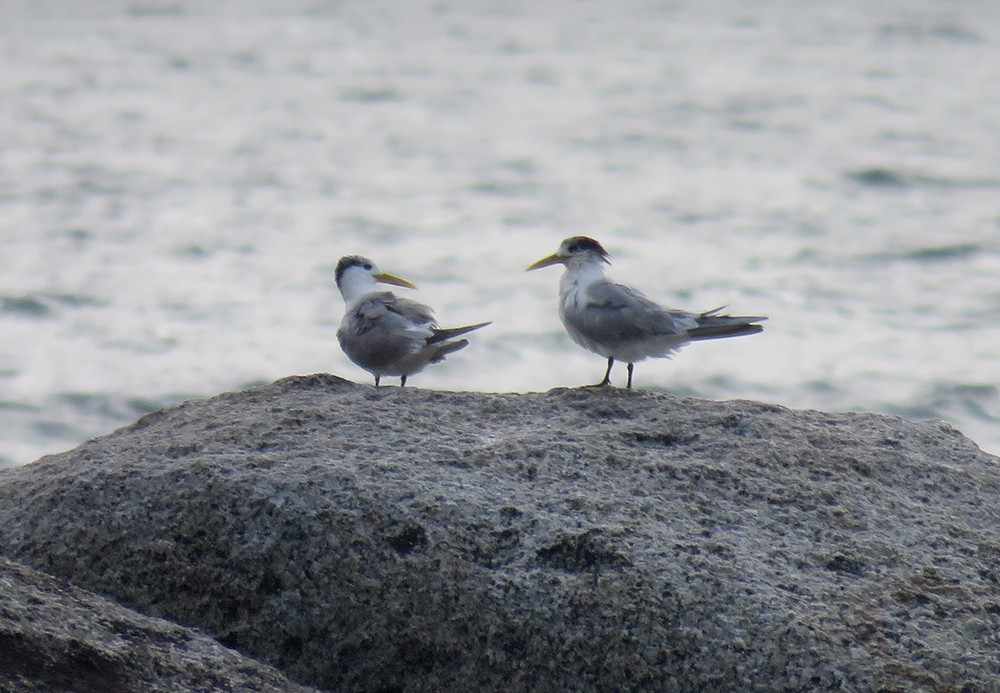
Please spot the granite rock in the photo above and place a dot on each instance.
(590, 539)
(56, 637)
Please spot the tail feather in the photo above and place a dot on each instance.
(447, 348)
(443, 333)
(711, 325)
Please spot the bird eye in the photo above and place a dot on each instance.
(368, 266)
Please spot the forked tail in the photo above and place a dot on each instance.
(447, 348)
(443, 333)
(711, 325)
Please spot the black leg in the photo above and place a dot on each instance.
(607, 373)
(402, 381)
(630, 367)
(376, 381)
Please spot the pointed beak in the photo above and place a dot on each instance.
(392, 279)
(555, 259)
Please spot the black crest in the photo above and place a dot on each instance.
(352, 261)
(578, 244)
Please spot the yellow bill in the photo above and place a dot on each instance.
(387, 278)
(554, 259)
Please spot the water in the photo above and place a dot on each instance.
(178, 180)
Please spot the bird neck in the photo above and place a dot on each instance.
(577, 278)
(354, 288)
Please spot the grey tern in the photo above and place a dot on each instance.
(385, 334)
(618, 322)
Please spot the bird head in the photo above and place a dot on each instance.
(575, 251)
(358, 275)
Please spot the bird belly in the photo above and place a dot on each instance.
(628, 350)
(381, 356)
(650, 347)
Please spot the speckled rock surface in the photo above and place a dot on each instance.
(55, 637)
(590, 539)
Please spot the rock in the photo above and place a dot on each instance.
(55, 637)
(590, 539)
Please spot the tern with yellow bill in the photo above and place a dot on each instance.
(617, 322)
(385, 334)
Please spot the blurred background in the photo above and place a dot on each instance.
(178, 180)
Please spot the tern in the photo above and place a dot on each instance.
(617, 322)
(386, 334)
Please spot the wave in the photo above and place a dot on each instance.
(44, 305)
(886, 177)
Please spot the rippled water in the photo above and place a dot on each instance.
(178, 179)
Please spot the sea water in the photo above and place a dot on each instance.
(178, 180)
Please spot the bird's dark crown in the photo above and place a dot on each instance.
(583, 243)
(349, 261)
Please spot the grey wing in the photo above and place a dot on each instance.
(387, 316)
(617, 313)
(378, 332)
(413, 312)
